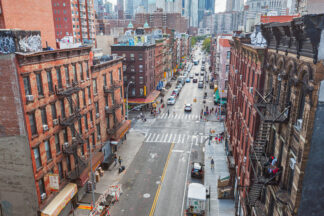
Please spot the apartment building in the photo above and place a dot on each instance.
(74, 18)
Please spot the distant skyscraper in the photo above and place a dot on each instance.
(120, 9)
(201, 9)
(210, 5)
(234, 5)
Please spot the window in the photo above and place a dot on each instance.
(141, 80)
(41, 186)
(87, 70)
(78, 100)
(132, 68)
(75, 76)
(65, 135)
(82, 149)
(83, 97)
(93, 141)
(39, 84)
(67, 76)
(122, 110)
(121, 93)
(85, 121)
(48, 150)
(94, 84)
(98, 131)
(227, 68)
(88, 144)
(228, 55)
(68, 163)
(141, 92)
(50, 81)
(133, 92)
(124, 68)
(140, 56)
(111, 77)
(27, 86)
(301, 105)
(119, 74)
(59, 77)
(37, 158)
(91, 116)
(104, 79)
(81, 71)
(57, 143)
(97, 107)
(106, 100)
(53, 108)
(133, 78)
(43, 114)
(89, 95)
(132, 56)
(108, 123)
(140, 67)
(60, 169)
(125, 78)
(32, 123)
(62, 108)
(80, 126)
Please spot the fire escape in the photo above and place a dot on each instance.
(110, 110)
(270, 112)
(69, 121)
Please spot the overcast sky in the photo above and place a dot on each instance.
(219, 4)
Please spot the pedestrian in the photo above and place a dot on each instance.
(212, 163)
(168, 113)
(115, 159)
(120, 161)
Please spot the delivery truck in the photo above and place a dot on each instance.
(196, 201)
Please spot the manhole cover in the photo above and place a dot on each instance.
(146, 195)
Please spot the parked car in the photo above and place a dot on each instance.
(202, 73)
(188, 80)
(191, 76)
(200, 84)
(195, 80)
(197, 73)
(188, 108)
(197, 170)
(175, 92)
(171, 100)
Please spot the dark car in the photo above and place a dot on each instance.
(197, 170)
(195, 80)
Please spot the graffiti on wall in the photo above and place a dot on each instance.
(31, 43)
(7, 45)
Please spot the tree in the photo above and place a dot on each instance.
(193, 41)
(206, 44)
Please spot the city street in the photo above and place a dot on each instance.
(156, 181)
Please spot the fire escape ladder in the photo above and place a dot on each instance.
(259, 145)
(255, 192)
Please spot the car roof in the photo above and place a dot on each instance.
(188, 104)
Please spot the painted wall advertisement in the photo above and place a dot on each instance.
(54, 182)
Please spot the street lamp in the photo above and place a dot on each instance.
(130, 83)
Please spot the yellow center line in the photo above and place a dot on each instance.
(162, 178)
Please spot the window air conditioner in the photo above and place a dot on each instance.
(66, 144)
(251, 90)
(236, 70)
(98, 137)
(45, 127)
(240, 77)
(43, 196)
(97, 115)
(30, 98)
(55, 122)
(89, 101)
(68, 85)
(244, 159)
(106, 108)
(299, 124)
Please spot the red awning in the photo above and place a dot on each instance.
(149, 99)
(122, 130)
(97, 158)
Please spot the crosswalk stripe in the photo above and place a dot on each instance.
(179, 138)
(165, 138)
(147, 138)
(174, 138)
(183, 139)
(170, 137)
(157, 138)
(152, 137)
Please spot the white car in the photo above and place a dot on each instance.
(188, 108)
(171, 100)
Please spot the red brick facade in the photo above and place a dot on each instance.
(158, 62)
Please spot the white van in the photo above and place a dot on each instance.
(196, 202)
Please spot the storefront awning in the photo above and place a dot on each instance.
(149, 99)
(121, 131)
(59, 202)
(97, 159)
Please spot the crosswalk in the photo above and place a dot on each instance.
(183, 116)
(175, 138)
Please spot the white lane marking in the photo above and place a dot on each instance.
(175, 116)
(183, 139)
(162, 137)
(196, 143)
(165, 138)
(174, 138)
(152, 138)
(150, 134)
(157, 138)
(146, 135)
(170, 137)
(178, 151)
(179, 139)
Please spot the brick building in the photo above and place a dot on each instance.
(74, 18)
(56, 118)
(21, 14)
(242, 122)
(138, 67)
(158, 70)
(287, 150)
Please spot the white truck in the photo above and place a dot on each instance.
(196, 202)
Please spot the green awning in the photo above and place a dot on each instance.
(216, 96)
(218, 99)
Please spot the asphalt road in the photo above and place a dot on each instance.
(156, 183)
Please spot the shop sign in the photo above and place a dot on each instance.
(54, 182)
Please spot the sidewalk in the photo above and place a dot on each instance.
(127, 152)
(215, 206)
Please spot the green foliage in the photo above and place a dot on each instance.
(193, 41)
(206, 44)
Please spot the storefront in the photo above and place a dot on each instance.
(62, 203)
(120, 136)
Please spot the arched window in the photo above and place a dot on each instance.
(301, 104)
